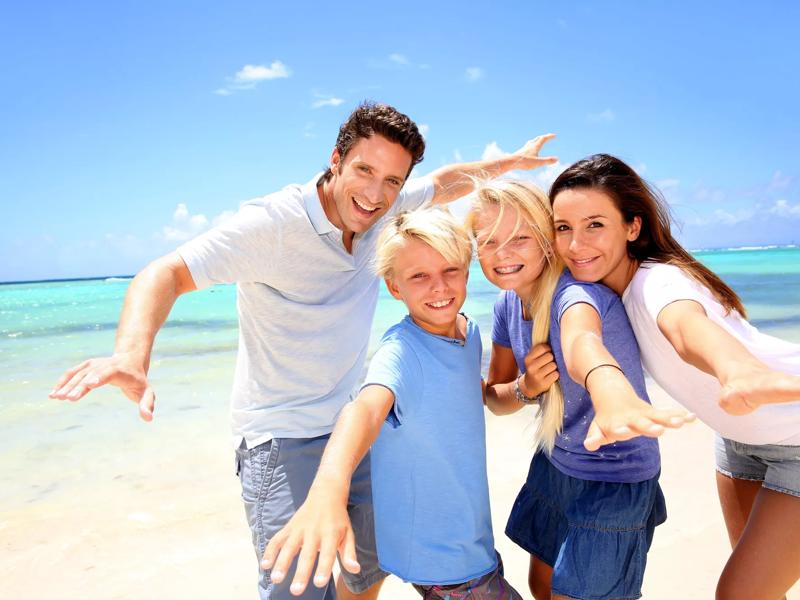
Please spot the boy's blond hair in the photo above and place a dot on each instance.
(433, 225)
(532, 206)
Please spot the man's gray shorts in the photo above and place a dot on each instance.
(276, 477)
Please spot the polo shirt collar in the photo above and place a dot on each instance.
(314, 209)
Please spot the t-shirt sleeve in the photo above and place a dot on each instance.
(500, 333)
(396, 367)
(415, 193)
(665, 284)
(241, 249)
(579, 293)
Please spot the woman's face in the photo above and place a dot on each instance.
(508, 250)
(592, 237)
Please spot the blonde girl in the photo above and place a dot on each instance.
(586, 513)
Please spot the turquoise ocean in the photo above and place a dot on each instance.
(49, 448)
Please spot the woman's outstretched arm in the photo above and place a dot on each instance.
(746, 381)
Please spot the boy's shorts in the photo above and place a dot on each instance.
(777, 467)
(275, 478)
(492, 586)
(594, 534)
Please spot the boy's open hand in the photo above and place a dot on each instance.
(630, 417)
(540, 370)
(321, 526)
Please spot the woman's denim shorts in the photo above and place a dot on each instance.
(595, 534)
(778, 467)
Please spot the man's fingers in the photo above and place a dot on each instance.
(541, 140)
(68, 374)
(74, 389)
(147, 404)
(347, 552)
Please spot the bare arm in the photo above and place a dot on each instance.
(746, 381)
(147, 304)
(456, 180)
(321, 525)
(540, 374)
(619, 412)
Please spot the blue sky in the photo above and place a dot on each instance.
(129, 126)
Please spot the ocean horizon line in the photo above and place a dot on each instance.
(114, 278)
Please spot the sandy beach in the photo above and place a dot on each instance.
(158, 519)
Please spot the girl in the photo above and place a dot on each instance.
(614, 228)
(587, 518)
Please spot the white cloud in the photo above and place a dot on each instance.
(249, 76)
(473, 74)
(779, 182)
(424, 128)
(399, 59)
(782, 208)
(704, 194)
(185, 225)
(308, 130)
(492, 151)
(256, 73)
(605, 116)
(327, 101)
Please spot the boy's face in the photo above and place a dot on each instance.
(432, 289)
(366, 182)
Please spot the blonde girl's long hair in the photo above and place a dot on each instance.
(532, 206)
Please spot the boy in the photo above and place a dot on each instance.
(423, 395)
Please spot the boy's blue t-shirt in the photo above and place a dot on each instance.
(430, 490)
(626, 462)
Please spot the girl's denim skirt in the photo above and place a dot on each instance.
(594, 534)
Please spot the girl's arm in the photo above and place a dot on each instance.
(746, 381)
(619, 412)
(500, 389)
(322, 525)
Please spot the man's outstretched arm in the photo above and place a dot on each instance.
(458, 179)
(147, 304)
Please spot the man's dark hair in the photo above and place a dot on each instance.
(370, 119)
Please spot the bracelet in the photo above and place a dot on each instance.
(593, 369)
(521, 397)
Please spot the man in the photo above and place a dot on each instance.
(301, 259)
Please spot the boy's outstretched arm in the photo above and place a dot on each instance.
(458, 179)
(147, 304)
(619, 412)
(540, 373)
(321, 525)
(746, 382)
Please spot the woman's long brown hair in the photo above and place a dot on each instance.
(634, 197)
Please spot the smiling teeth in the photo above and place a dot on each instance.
(441, 303)
(366, 208)
(582, 261)
(507, 270)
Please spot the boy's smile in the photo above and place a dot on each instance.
(432, 288)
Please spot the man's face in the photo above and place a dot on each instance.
(366, 182)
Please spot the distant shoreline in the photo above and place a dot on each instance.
(68, 279)
(125, 277)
